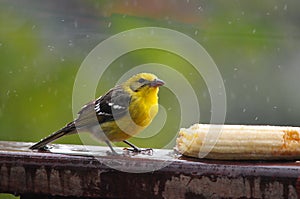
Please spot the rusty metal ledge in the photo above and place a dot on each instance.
(90, 172)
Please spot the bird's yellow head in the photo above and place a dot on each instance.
(143, 83)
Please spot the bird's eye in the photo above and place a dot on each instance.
(141, 80)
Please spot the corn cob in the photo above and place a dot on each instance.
(239, 142)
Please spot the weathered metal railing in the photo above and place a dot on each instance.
(70, 171)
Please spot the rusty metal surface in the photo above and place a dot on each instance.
(71, 171)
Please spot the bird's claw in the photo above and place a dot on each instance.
(136, 151)
(45, 148)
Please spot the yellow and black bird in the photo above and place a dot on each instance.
(121, 113)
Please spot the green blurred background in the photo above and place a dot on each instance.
(255, 45)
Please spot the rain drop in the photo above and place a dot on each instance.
(285, 7)
(254, 31)
(51, 48)
(196, 32)
(109, 25)
(75, 24)
(71, 43)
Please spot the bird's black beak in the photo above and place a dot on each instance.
(156, 83)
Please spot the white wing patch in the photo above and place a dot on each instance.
(97, 107)
(111, 104)
(116, 106)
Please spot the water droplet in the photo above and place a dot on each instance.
(256, 118)
(200, 8)
(268, 13)
(71, 43)
(254, 31)
(62, 20)
(109, 25)
(75, 24)
(244, 110)
(285, 7)
(196, 32)
(229, 22)
(51, 48)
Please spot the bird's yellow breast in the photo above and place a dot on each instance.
(142, 110)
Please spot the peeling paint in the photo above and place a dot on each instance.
(18, 176)
(156, 188)
(224, 187)
(292, 192)
(4, 176)
(273, 190)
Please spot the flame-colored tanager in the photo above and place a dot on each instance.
(121, 113)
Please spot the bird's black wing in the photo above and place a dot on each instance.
(111, 106)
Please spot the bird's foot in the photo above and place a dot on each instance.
(45, 148)
(136, 151)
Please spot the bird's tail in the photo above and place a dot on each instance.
(67, 130)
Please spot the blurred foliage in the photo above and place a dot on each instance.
(254, 44)
(8, 196)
